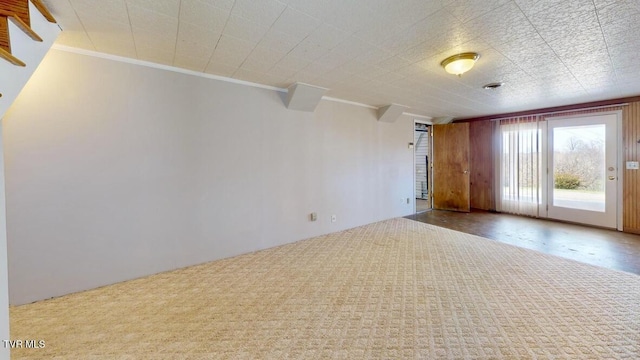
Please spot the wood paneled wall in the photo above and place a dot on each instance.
(18, 7)
(5, 44)
(631, 193)
(482, 165)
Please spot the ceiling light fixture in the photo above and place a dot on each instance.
(460, 63)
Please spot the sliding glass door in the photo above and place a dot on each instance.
(583, 174)
(564, 168)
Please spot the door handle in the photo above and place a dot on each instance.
(465, 172)
(612, 177)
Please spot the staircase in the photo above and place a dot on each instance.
(27, 31)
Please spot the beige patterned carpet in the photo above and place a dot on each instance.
(396, 289)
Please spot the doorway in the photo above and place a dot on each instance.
(564, 168)
(422, 166)
(583, 169)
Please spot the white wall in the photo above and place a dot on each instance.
(4, 279)
(13, 79)
(116, 170)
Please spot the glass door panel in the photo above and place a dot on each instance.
(582, 176)
(579, 167)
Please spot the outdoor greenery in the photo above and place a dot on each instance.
(581, 160)
(567, 181)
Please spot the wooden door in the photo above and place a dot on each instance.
(451, 167)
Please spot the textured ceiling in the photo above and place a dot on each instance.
(378, 52)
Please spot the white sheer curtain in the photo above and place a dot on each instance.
(520, 165)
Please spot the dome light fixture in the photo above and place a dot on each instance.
(460, 63)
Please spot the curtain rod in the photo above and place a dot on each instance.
(562, 111)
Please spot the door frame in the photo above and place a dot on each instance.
(413, 180)
(619, 160)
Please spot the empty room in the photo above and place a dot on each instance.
(306, 179)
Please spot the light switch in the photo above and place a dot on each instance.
(633, 165)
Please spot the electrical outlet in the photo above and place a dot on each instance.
(408, 200)
(333, 218)
(313, 216)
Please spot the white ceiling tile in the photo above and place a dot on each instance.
(165, 7)
(599, 80)
(282, 72)
(412, 70)
(351, 16)
(432, 36)
(535, 6)
(380, 51)
(354, 48)
(320, 10)
(217, 68)
(372, 55)
(191, 62)
(308, 51)
(381, 30)
(327, 36)
(221, 4)
(278, 41)
(262, 60)
(619, 12)
(193, 49)
(316, 68)
(625, 57)
(332, 60)
(78, 39)
(370, 71)
(390, 77)
(204, 15)
(231, 45)
(394, 17)
(261, 12)
(296, 23)
(393, 63)
(192, 33)
(232, 51)
(112, 39)
(104, 25)
(407, 11)
(110, 45)
(554, 24)
(505, 24)
(151, 21)
(620, 24)
(244, 29)
(627, 78)
(336, 75)
(154, 40)
(158, 56)
(465, 10)
(113, 10)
